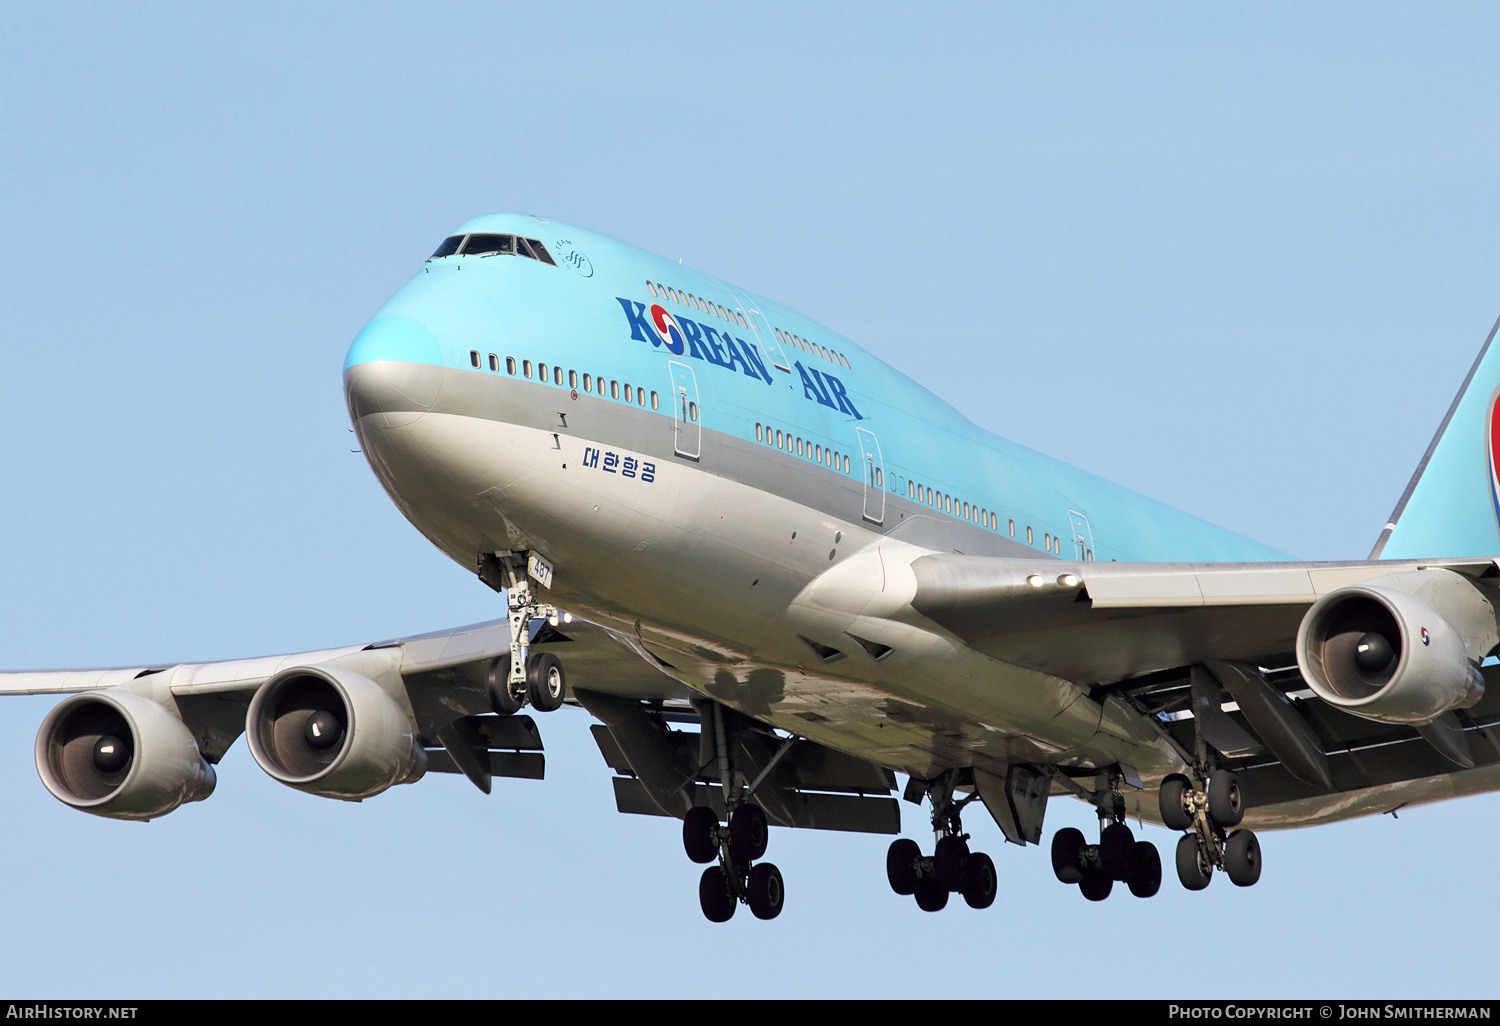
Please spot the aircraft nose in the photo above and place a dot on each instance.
(393, 372)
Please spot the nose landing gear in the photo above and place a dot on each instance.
(521, 676)
(951, 868)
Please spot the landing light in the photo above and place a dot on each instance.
(567, 618)
(1035, 580)
(1068, 580)
(552, 619)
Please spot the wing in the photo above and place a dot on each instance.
(1211, 653)
(424, 702)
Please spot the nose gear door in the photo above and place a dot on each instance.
(687, 423)
(874, 474)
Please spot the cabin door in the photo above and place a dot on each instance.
(1083, 536)
(874, 474)
(687, 418)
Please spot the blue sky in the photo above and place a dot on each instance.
(1236, 257)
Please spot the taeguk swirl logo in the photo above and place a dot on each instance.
(666, 327)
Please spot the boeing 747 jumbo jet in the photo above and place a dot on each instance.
(778, 573)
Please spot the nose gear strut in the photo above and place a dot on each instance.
(520, 677)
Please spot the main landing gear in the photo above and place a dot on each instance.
(951, 868)
(1209, 816)
(735, 845)
(1117, 858)
(520, 677)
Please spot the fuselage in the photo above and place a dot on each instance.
(705, 468)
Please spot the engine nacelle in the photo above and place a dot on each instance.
(1402, 648)
(120, 755)
(333, 733)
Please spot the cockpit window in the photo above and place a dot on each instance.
(478, 244)
(487, 245)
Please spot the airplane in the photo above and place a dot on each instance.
(778, 573)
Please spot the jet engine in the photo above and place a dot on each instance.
(120, 755)
(333, 733)
(1402, 648)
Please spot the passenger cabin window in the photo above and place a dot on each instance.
(652, 289)
(572, 379)
(614, 390)
(494, 362)
(541, 372)
(588, 382)
(628, 396)
(655, 401)
(510, 365)
(526, 368)
(474, 357)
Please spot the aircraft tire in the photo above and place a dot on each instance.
(1242, 858)
(1096, 886)
(714, 896)
(931, 896)
(1067, 850)
(901, 865)
(1145, 870)
(700, 830)
(764, 891)
(1172, 801)
(748, 833)
(1193, 870)
(980, 883)
(948, 862)
(1116, 848)
(497, 687)
(1226, 802)
(546, 684)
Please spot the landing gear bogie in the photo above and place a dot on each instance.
(1208, 816)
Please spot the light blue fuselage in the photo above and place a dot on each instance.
(591, 314)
